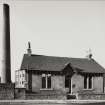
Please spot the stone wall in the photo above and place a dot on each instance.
(77, 83)
(91, 96)
(58, 87)
(58, 82)
(7, 91)
(98, 84)
(45, 96)
(20, 93)
(36, 83)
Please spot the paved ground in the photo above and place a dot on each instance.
(25, 103)
(54, 102)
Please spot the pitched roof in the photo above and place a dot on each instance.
(52, 63)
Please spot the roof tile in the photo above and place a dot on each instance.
(52, 63)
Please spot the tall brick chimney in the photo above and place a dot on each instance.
(6, 56)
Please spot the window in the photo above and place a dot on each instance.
(88, 82)
(85, 82)
(22, 82)
(43, 81)
(46, 81)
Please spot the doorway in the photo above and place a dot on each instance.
(68, 83)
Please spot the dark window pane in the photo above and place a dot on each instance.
(66, 82)
(90, 82)
(49, 82)
(43, 82)
(85, 82)
(22, 82)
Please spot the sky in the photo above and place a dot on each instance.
(55, 28)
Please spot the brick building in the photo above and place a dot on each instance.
(49, 77)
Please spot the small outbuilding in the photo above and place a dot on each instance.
(50, 77)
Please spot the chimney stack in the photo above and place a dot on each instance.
(29, 51)
(6, 58)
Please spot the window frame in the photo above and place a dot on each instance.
(89, 84)
(47, 81)
(43, 81)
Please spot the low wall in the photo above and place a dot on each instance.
(46, 94)
(43, 97)
(92, 96)
(6, 91)
(20, 93)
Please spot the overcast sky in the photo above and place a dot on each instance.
(57, 28)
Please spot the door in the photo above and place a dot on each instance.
(68, 83)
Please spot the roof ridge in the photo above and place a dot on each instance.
(58, 56)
